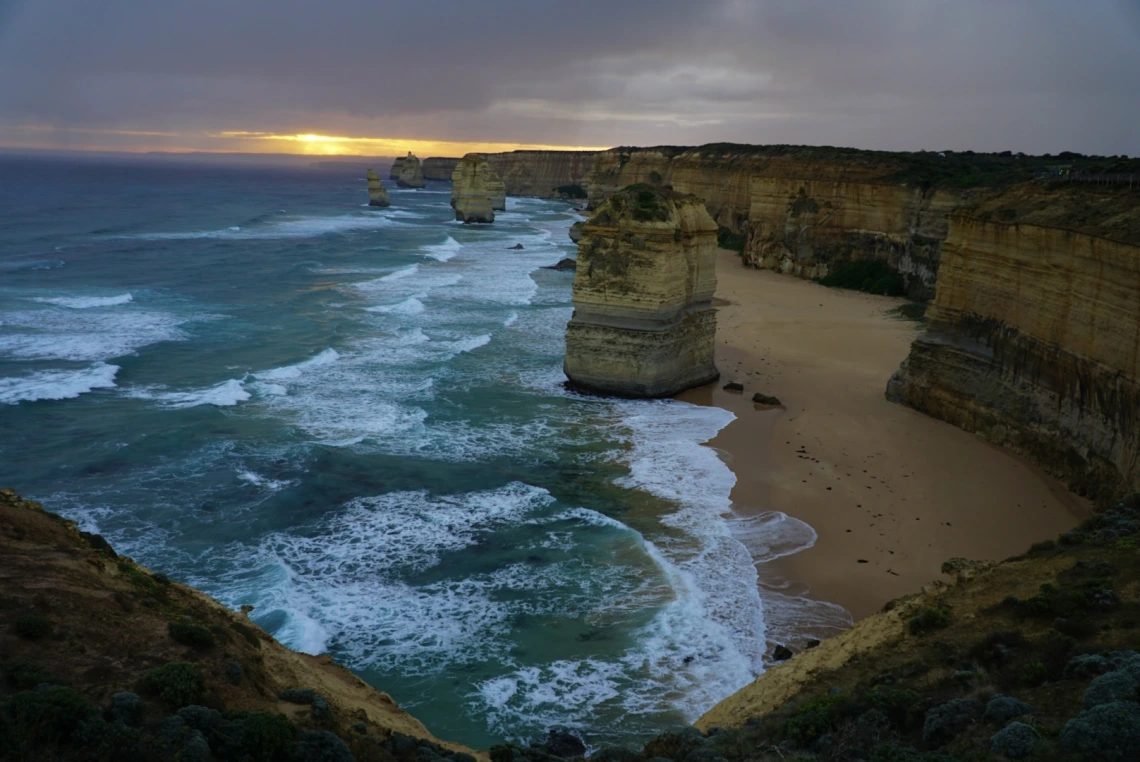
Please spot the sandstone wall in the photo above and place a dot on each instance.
(438, 168)
(541, 173)
(1033, 342)
(803, 226)
(643, 323)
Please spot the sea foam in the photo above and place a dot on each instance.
(57, 384)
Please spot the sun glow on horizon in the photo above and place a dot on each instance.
(247, 141)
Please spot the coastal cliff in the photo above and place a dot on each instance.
(643, 323)
(92, 628)
(799, 210)
(476, 191)
(377, 193)
(439, 168)
(1033, 342)
(543, 174)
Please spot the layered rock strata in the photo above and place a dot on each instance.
(476, 191)
(407, 172)
(801, 212)
(544, 174)
(377, 193)
(1033, 342)
(643, 323)
(439, 168)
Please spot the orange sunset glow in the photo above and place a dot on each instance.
(248, 141)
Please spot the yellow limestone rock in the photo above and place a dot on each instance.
(1033, 342)
(377, 194)
(643, 323)
(476, 191)
(439, 167)
(407, 172)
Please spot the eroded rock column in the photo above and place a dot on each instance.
(476, 191)
(644, 324)
(377, 193)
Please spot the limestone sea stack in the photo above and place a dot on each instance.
(644, 324)
(476, 191)
(408, 173)
(377, 193)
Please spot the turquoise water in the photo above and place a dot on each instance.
(353, 420)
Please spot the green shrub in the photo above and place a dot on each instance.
(23, 674)
(929, 620)
(727, 239)
(814, 718)
(655, 177)
(178, 683)
(1034, 673)
(873, 276)
(260, 736)
(33, 720)
(31, 626)
(190, 634)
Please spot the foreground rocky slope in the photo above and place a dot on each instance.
(1033, 341)
(643, 323)
(1029, 659)
(102, 659)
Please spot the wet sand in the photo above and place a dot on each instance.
(890, 492)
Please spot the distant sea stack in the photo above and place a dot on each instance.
(476, 191)
(439, 168)
(377, 193)
(1033, 342)
(407, 172)
(643, 323)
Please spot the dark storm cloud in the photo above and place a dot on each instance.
(1041, 75)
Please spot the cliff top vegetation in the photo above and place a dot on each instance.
(930, 169)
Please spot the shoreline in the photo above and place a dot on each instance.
(890, 493)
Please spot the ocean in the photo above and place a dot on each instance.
(353, 419)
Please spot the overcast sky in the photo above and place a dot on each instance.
(1025, 75)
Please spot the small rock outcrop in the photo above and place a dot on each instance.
(407, 172)
(643, 323)
(576, 231)
(476, 191)
(377, 193)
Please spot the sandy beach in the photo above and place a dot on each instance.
(890, 492)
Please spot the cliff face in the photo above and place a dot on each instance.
(438, 168)
(476, 191)
(643, 323)
(541, 173)
(1033, 342)
(377, 193)
(800, 214)
(407, 172)
(802, 226)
